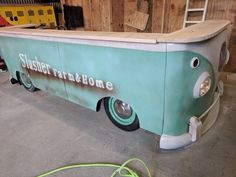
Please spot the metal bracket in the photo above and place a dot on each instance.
(195, 127)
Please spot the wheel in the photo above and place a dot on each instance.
(121, 114)
(26, 82)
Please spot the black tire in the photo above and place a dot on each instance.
(26, 82)
(130, 123)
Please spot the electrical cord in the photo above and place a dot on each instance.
(122, 170)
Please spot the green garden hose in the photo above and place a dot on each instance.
(122, 170)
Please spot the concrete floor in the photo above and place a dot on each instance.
(40, 132)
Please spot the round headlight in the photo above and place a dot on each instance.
(203, 85)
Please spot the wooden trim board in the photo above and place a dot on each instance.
(194, 33)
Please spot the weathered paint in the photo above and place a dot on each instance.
(180, 105)
(3, 22)
(134, 72)
(157, 84)
(27, 14)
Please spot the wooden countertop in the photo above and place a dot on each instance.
(194, 33)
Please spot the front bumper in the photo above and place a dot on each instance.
(197, 127)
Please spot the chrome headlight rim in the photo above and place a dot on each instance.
(203, 85)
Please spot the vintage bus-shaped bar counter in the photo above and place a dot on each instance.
(163, 83)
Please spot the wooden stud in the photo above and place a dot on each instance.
(62, 14)
(130, 7)
(143, 6)
(157, 15)
(86, 5)
(96, 15)
(174, 15)
(106, 15)
(118, 15)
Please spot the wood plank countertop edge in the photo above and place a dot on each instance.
(194, 33)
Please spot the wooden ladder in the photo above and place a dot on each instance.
(187, 10)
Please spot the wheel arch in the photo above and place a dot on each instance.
(100, 100)
(99, 103)
(129, 123)
(18, 77)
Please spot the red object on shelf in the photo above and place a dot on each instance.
(3, 22)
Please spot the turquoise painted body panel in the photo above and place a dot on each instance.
(157, 84)
(180, 80)
(137, 77)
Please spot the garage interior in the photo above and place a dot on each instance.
(40, 132)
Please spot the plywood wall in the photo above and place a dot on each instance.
(173, 16)
(110, 15)
(218, 9)
(158, 16)
(130, 6)
(117, 15)
(97, 14)
(174, 12)
(164, 16)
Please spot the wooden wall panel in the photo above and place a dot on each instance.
(157, 16)
(76, 2)
(86, 4)
(96, 15)
(130, 6)
(61, 16)
(118, 15)
(150, 10)
(218, 9)
(106, 13)
(231, 66)
(145, 6)
(131, 9)
(164, 16)
(195, 16)
(197, 3)
(174, 15)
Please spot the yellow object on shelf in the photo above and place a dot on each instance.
(28, 14)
